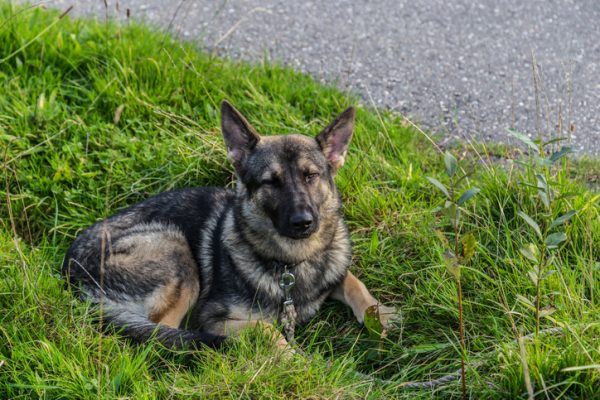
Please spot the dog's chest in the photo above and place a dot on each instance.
(307, 285)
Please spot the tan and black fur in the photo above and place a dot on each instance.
(193, 266)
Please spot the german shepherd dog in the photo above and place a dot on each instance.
(193, 266)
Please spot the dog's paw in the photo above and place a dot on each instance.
(287, 351)
(378, 318)
(387, 315)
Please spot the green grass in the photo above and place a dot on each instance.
(67, 162)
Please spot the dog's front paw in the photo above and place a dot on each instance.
(377, 318)
(387, 315)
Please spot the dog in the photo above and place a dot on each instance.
(197, 265)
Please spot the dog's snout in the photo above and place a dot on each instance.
(301, 220)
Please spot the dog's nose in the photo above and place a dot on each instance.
(301, 220)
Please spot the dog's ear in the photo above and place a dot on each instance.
(240, 137)
(335, 138)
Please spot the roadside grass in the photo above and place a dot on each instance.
(96, 116)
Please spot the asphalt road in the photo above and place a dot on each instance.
(464, 68)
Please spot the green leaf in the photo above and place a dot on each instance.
(542, 183)
(469, 243)
(530, 252)
(563, 218)
(452, 265)
(526, 301)
(544, 197)
(554, 140)
(547, 311)
(523, 138)
(451, 164)
(561, 153)
(467, 195)
(531, 223)
(553, 240)
(544, 191)
(532, 274)
(372, 322)
(439, 185)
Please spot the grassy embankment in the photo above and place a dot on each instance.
(69, 160)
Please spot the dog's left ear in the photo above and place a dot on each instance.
(334, 139)
(240, 137)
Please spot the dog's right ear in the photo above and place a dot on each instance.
(240, 137)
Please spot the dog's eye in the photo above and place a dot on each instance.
(270, 181)
(311, 177)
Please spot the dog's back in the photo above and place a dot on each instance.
(140, 264)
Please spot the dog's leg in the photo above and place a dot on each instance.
(354, 293)
(171, 303)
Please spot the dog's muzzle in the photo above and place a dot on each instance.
(302, 224)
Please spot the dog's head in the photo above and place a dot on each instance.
(287, 180)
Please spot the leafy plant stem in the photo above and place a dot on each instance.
(461, 328)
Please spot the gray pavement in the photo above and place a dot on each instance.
(463, 68)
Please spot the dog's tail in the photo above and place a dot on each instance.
(139, 329)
